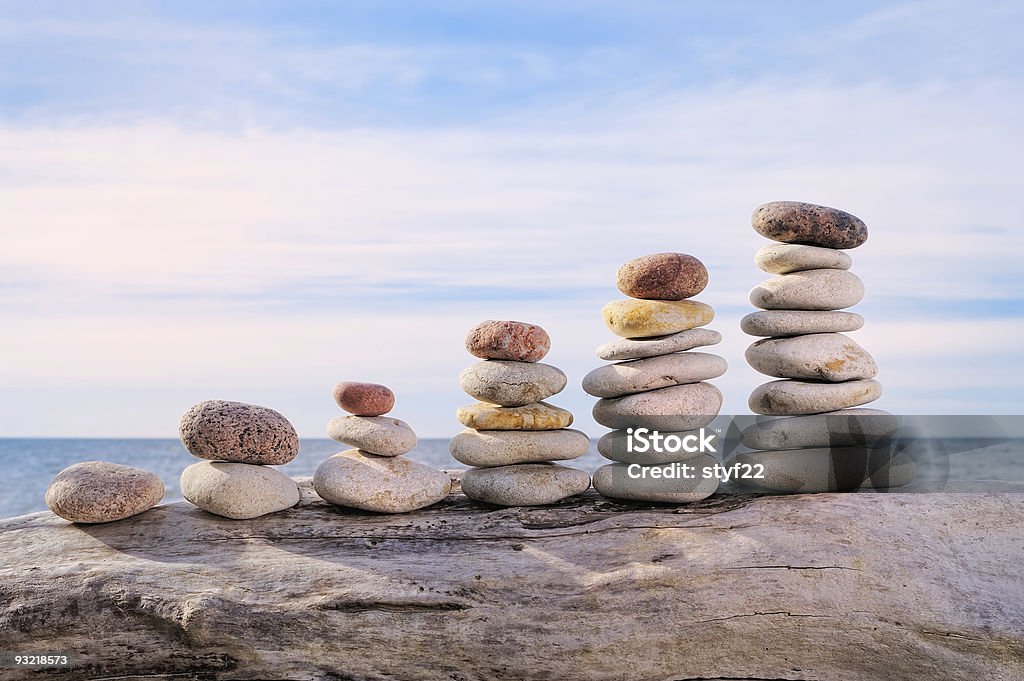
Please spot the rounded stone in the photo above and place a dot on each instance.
(680, 407)
(536, 416)
(646, 318)
(638, 483)
(101, 492)
(809, 290)
(626, 348)
(527, 484)
(511, 384)
(641, 375)
(237, 490)
(799, 322)
(380, 435)
(794, 222)
(364, 399)
(614, 445)
(831, 469)
(486, 448)
(361, 480)
(221, 430)
(786, 258)
(829, 357)
(843, 428)
(662, 276)
(517, 341)
(793, 398)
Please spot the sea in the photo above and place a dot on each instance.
(30, 464)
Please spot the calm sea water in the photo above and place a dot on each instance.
(30, 464)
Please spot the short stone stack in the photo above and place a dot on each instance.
(512, 436)
(241, 443)
(826, 444)
(656, 381)
(375, 475)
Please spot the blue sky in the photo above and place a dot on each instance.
(253, 201)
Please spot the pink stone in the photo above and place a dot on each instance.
(364, 399)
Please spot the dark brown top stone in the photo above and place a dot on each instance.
(793, 222)
(517, 341)
(364, 399)
(662, 276)
(221, 430)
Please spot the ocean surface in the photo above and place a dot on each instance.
(30, 464)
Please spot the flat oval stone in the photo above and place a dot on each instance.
(536, 416)
(517, 341)
(794, 222)
(526, 484)
(662, 276)
(222, 430)
(382, 484)
(237, 490)
(511, 384)
(786, 258)
(380, 435)
(833, 469)
(843, 428)
(364, 399)
(809, 290)
(793, 398)
(486, 448)
(637, 483)
(641, 375)
(829, 357)
(680, 407)
(614, 445)
(626, 348)
(101, 492)
(799, 322)
(646, 318)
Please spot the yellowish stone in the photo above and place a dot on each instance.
(536, 416)
(648, 318)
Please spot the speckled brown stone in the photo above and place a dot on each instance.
(364, 399)
(516, 341)
(793, 222)
(662, 276)
(100, 492)
(221, 430)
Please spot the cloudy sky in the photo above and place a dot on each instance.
(253, 201)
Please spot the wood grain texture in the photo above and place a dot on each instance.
(829, 586)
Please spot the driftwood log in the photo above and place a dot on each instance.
(827, 586)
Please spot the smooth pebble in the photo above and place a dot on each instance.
(662, 276)
(528, 484)
(680, 407)
(626, 348)
(809, 290)
(238, 491)
(645, 318)
(799, 322)
(511, 384)
(843, 428)
(361, 480)
(536, 416)
(101, 492)
(640, 375)
(486, 448)
(793, 398)
(380, 435)
(623, 481)
(814, 357)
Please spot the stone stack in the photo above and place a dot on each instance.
(375, 475)
(825, 443)
(512, 436)
(241, 443)
(657, 383)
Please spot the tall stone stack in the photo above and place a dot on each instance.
(241, 443)
(657, 383)
(825, 443)
(375, 475)
(512, 436)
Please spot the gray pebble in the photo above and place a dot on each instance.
(680, 407)
(786, 258)
(629, 348)
(486, 448)
(358, 479)
(791, 398)
(798, 322)
(380, 435)
(832, 469)
(528, 484)
(640, 375)
(815, 357)
(809, 290)
(624, 481)
(511, 384)
(238, 490)
(843, 428)
(101, 492)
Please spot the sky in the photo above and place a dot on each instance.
(253, 201)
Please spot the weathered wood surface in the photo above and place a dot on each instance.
(829, 586)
